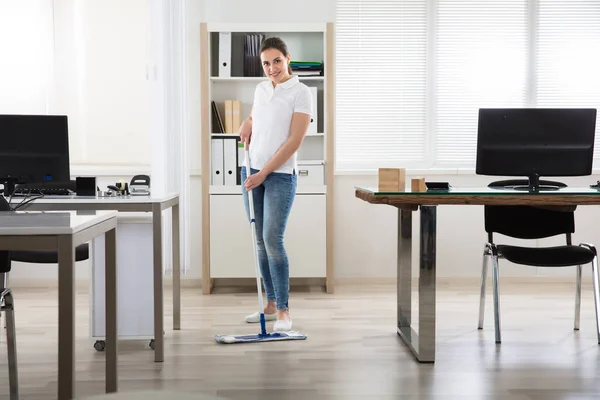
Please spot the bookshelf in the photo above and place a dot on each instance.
(228, 80)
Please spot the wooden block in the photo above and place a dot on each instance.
(418, 185)
(392, 179)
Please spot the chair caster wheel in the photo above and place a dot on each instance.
(151, 344)
(100, 345)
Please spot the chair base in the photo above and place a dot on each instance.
(491, 250)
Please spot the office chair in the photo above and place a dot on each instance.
(527, 222)
(7, 307)
(38, 256)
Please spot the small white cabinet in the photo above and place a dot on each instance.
(231, 249)
(134, 280)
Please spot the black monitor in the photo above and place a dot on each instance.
(33, 149)
(534, 142)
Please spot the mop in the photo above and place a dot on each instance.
(263, 336)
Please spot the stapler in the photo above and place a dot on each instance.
(140, 185)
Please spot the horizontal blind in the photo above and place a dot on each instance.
(380, 83)
(480, 61)
(26, 56)
(568, 56)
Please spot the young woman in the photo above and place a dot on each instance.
(272, 134)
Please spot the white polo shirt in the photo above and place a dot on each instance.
(272, 117)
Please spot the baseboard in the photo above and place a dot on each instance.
(84, 284)
(317, 283)
(460, 280)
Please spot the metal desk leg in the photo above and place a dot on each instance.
(158, 283)
(176, 268)
(422, 344)
(110, 293)
(66, 317)
(404, 276)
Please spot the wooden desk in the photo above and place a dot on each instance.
(154, 204)
(422, 343)
(62, 232)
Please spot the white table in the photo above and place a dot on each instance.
(63, 231)
(155, 205)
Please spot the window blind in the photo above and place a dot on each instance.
(480, 61)
(381, 78)
(26, 48)
(411, 75)
(568, 56)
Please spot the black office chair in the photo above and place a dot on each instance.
(7, 307)
(528, 222)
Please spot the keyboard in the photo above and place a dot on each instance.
(45, 188)
(20, 192)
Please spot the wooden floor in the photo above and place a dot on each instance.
(352, 351)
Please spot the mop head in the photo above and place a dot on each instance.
(260, 337)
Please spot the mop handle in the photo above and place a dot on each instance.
(263, 326)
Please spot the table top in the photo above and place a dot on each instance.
(482, 196)
(131, 199)
(50, 222)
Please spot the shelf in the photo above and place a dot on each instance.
(259, 78)
(301, 189)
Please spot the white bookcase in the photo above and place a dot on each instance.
(226, 236)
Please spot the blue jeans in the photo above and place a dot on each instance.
(272, 205)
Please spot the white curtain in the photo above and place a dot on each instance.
(170, 162)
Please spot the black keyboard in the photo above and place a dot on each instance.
(44, 188)
(20, 192)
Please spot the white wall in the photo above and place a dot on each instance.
(365, 234)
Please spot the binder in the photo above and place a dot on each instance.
(217, 120)
(228, 116)
(236, 115)
(225, 54)
(241, 157)
(217, 162)
(230, 160)
(314, 121)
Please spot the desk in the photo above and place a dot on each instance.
(62, 232)
(153, 204)
(422, 344)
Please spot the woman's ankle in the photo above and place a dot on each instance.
(283, 314)
(271, 308)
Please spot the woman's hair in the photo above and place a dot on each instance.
(278, 44)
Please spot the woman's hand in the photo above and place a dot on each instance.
(254, 180)
(245, 132)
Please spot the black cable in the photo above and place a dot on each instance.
(23, 202)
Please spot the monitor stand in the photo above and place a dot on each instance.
(535, 185)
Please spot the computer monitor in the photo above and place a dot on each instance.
(33, 149)
(534, 142)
